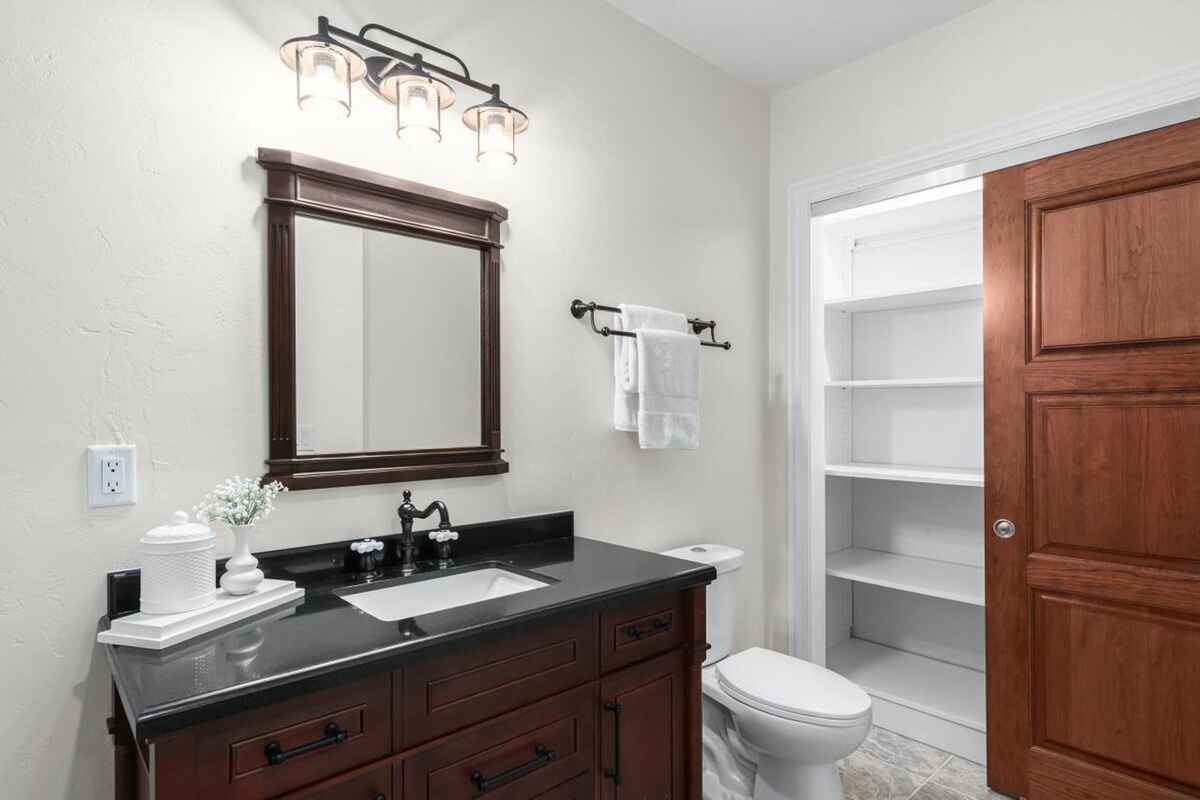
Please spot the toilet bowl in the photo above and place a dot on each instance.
(791, 719)
(774, 726)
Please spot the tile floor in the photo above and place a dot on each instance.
(891, 767)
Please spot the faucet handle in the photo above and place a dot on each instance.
(366, 555)
(407, 496)
(443, 537)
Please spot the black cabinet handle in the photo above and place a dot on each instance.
(333, 735)
(659, 624)
(614, 772)
(380, 796)
(540, 756)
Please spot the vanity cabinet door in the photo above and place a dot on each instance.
(643, 731)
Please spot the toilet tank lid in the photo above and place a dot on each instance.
(723, 557)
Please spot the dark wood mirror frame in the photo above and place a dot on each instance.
(313, 187)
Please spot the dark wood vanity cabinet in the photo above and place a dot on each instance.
(601, 704)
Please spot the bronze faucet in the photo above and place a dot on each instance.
(408, 512)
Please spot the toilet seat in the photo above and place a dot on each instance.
(786, 687)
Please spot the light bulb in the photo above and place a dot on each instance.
(324, 77)
(495, 145)
(418, 113)
(496, 125)
(493, 133)
(418, 100)
(323, 83)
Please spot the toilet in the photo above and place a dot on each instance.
(774, 726)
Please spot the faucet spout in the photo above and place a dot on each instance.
(407, 513)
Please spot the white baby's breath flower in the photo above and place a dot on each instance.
(239, 501)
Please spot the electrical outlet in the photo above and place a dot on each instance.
(305, 440)
(112, 475)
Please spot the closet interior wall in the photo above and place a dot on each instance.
(898, 365)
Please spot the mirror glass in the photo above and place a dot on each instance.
(387, 341)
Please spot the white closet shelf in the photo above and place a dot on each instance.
(905, 383)
(926, 297)
(957, 582)
(933, 687)
(947, 476)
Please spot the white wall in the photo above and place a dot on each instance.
(132, 278)
(1001, 61)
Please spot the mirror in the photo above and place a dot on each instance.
(384, 327)
(387, 341)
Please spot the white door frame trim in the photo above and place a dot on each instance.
(1140, 105)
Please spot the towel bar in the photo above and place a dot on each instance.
(699, 326)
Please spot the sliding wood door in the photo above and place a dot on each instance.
(1092, 436)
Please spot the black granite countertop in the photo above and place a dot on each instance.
(323, 640)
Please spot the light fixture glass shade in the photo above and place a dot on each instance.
(496, 125)
(419, 100)
(324, 71)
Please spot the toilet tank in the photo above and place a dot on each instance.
(721, 597)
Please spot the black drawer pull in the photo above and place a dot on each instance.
(333, 735)
(614, 772)
(659, 624)
(541, 756)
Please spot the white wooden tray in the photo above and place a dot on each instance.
(159, 631)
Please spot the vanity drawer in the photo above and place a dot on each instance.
(374, 785)
(639, 630)
(523, 754)
(450, 692)
(294, 743)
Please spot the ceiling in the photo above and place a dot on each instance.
(775, 43)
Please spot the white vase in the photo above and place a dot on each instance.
(242, 575)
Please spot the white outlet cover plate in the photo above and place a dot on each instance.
(96, 455)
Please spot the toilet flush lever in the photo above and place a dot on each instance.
(1004, 528)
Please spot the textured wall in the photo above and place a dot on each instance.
(999, 62)
(132, 286)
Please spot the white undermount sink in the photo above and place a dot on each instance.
(426, 595)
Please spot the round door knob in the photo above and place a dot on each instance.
(1004, 528)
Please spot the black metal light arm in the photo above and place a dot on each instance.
(362, 33)
(411, 59)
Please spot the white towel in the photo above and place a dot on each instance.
(669, 390)
(625, 365)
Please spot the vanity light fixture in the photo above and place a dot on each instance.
(324, 71)
(420, 99)
(496, 125)
(329, 62)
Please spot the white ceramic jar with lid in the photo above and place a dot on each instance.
(179, 568)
